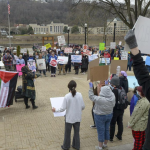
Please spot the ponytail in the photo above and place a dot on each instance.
(73, 91)
(72, 86)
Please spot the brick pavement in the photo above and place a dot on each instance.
(22, 129)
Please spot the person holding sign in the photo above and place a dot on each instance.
(53, 63)
(20, 60)
(61, 66)
(73, 104)
(116, 56)
(107, 55)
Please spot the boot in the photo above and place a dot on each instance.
(33, 104)
(27, 106)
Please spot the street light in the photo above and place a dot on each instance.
(85, 31)
(68, 35)
(105, 38)
(115, 20)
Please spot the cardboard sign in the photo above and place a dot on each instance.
(120, 43)
(112, 45)
(121, 63)
(124, 55)
(92, 64)
(99, 73)
(41, 64)
(62, 60)
(68, 50)
(53, 63)
(85, 46)
(43, 48)
(101, 46)
(61, 40)
(116, 58)
(31, 64)
(92, 57)
(18, 68)
(76, 58)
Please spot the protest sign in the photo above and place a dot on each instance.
(87, 52)
(1, 64)
(116, 58)
(41, 64)
(124, 55)
(85, 46)
(101, 46)
(68, 50)
(61, 40)
(121, 63)
(48, 46)
(99, 73)
(132, 82)
(120, 43)
(62, 60)
(105, 60)
(31, 64)
(76, 58)
(57, 103)
(43, 48)
(18, 68)
(92, 64)
(63, 48)
(53, 63)
(112, 45)
(92, 57)
(144, 58)
(23, 50)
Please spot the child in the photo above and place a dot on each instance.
(73, 104)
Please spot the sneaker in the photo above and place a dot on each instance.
(111, 140)
(104, 146)
(98, 148)
(35, 107)
(51, 75)
(59, 74)
(120, 139)
(63, 148)
(54, 75)
(93, 126)
(27, 107)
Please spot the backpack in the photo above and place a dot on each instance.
(122, 99)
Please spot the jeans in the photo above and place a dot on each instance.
(102, 124)
(117, 117)
(148, 68)
(53, 70)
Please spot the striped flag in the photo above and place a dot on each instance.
(8, 8)
(8, 81)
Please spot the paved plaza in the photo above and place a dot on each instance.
(22, 129)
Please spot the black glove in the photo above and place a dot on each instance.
(131, 39)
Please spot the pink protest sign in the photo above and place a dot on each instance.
(18, 67)
(68, 50)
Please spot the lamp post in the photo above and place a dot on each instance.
(105, 38)
(68, 35)
(115, 20)
(85, 31)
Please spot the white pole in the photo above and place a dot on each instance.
(9, 30)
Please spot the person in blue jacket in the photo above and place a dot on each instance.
(53, 65)
(147, 63)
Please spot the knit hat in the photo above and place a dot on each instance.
(124, 73)
(115, 81)
(140, 89)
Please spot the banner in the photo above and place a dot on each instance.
(41, 64)
(62, 60)
(18, 68)
(53, 63)
(124, 55)
(116, 58)
(112, 45)
(101, 46)
(8, 81)
(43, 48)
(31, 64)
(93, 57)
(61, 40)
(48, 46)
(68, 50)
(76, 58)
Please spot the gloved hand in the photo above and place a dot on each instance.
(91, 84)
(131, 39)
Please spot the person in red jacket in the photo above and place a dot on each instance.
(107, 55)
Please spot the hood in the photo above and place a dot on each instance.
(25, 69)
(123, 78)
(106, 92)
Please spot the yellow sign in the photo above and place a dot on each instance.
(48, 46)
(116, 58)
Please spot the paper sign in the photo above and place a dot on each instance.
(99, 73)
(62, 60)
(23, 50)
(144, 58)
(87, 52)
(57, 103)
(92, 64)
(121, 63)
(105, 60)
(132, 82)
(53, 63)
(68, 50)
(124, 55)
(112, 45)
(116, 58)
(43, 48)
(92, 57)
(101, 46)
(61, 40)
(76, 58)
(85, 46)
(120, 43)
(41, 64)
(1, 64)
(32, 65)
(18, 68)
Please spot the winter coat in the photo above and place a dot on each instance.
(84, 62)
(25, 57)
(107, 56)
(124, 83)
(104, 103)
(139, 117)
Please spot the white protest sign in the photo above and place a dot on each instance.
(144, 58)
(124, 55)
(1, 64)
(23, 50)
(120, 43)
(57, 103)
(61, 40)
(62, 60)
(76, 58)
(68, 50)
(43, 48)
(41, 64)
(93, 57)
(113, 45)
(104, 60)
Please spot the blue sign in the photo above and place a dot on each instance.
(76, 58)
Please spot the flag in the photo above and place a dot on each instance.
(8, 8)
(48, 46)
(8, 81)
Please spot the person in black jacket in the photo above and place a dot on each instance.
(141, 74)
(68, 65)
(123, 80)
(84, 63)
(25, 57)
(117, 112)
